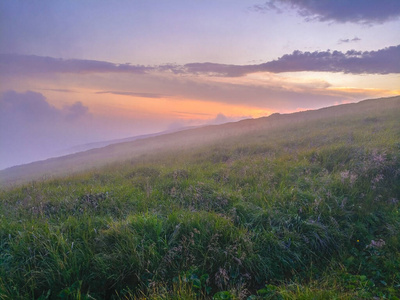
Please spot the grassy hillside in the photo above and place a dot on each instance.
(300, 206)
(188, 140)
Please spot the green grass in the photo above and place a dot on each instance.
(304, 211)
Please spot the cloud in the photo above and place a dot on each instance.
(33, 107)
(383, 61)
(28, 64)
(269, 5)
(220, 119)
(29, 106)
(32, 129)
(75, 111)
(272, 95)
(354, 11)
(192, 121)
(61, 90)
(134, 94)
(345, 41)
(172, 68)
(186, 113)
(218, 69)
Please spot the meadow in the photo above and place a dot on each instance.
(306, 209)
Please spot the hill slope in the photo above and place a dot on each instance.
(301, 206)
(95, 145)
(187, 139)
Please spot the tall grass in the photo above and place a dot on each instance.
(308, 211)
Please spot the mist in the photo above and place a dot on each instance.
(31, 129)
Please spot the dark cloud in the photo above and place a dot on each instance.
(133, 94)
(217, 69)
(345, 41)
(354, 11)
(269, 5)
(27, 64)
(172, 68)
(383, 61)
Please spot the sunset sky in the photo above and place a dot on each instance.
(74, 72)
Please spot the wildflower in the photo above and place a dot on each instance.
(344, 175)
(222, 277)
(378, 158)
(353, 178)
(347, 175)
(378, 178)
(376, 244)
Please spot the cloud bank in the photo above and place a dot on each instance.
(383, 61)
(134, 94)
(354, 11)
(16, 63)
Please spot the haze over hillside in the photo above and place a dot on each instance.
(135, 152)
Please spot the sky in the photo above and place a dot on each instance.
(75, 72)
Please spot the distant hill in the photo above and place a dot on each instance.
(139, 147)
(94, 145)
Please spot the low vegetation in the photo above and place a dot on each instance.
(305, 210)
